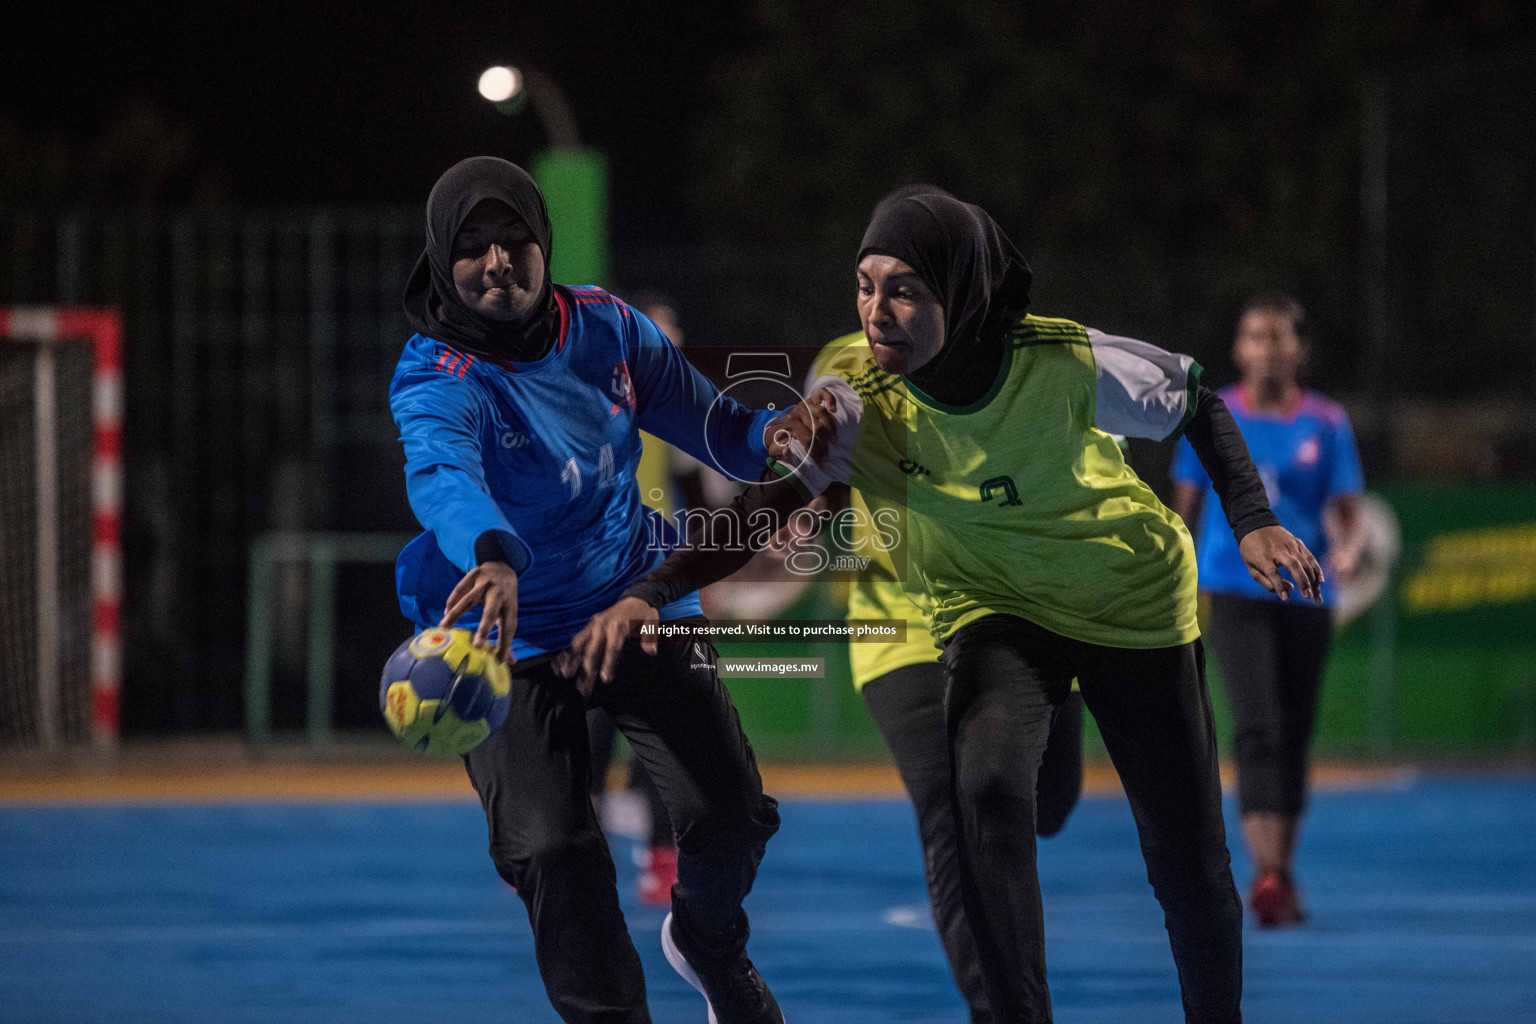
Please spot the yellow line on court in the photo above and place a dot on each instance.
(424, 780)
(403, 781)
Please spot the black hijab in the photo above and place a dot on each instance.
(977, 273)
(432, 303)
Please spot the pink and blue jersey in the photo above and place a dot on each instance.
(1306, 457)
(542, 455)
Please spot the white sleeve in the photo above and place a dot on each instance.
(835, 467)
(1143, 391)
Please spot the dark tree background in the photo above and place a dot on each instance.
(1156, 161)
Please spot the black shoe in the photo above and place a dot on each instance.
(735, 992)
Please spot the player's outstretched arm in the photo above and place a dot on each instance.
(752, 518)
(678, 404)
(594, 652)
(493, 585)
(1266, 546)
(439, 418)
(826, 421)
(1145, 391)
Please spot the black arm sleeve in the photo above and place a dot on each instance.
(489, 549)
(1219, 444)
(703, 559)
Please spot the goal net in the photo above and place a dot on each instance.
(58, 529)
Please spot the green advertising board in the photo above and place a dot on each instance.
(1452, 647)
(1443, 666)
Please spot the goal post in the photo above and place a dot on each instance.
(75, 458)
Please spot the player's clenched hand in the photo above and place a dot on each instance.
(594, 652)
(1267, 549)
(493, 585)
(810, 422)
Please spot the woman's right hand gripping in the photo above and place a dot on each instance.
(812, 422)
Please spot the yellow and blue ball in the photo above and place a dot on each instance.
(442, 695)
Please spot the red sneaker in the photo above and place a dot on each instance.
(1274, 902)
(658, 877)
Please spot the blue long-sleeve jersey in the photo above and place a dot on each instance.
(542, 455)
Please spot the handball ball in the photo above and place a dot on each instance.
(442, 695)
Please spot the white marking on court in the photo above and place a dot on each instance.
(909, 917)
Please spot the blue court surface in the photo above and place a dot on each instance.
(1423, 902)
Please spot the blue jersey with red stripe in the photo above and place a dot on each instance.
(542, 455)
(1306, 457)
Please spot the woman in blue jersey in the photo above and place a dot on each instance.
(1272, 653)
(519, 404)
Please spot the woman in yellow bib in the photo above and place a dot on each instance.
(1043, 557)
(903, 687)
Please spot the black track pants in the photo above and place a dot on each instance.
(1006, 675)
(1272, 657)
(908, 706)
(601, 733)
(533, 778)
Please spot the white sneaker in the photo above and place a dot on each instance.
(741, 992)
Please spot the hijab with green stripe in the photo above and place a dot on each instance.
(975, 271)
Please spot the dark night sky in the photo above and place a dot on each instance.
(366, 102)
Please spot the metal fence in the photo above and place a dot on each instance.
(258, 353)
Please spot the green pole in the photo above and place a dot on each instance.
(1383, 666)
(575, 187)
(258, 644)
(322, 651)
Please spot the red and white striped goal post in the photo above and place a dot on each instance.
(103, 330)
